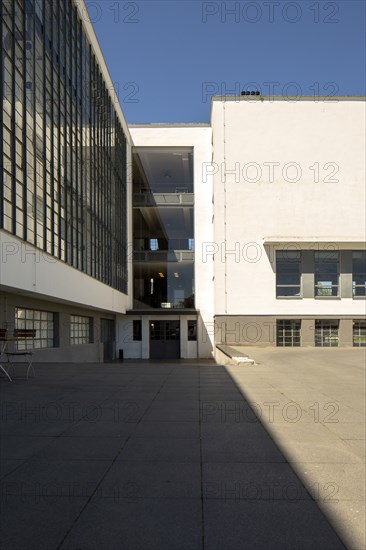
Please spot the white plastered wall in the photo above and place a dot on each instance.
(26, 269)
(253, 205)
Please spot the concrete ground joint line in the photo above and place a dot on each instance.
(109, 468)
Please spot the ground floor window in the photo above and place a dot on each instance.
(80, 329)
(42, 322)
(288, 332)
(326, 333)
(192, 330)
(359, 333)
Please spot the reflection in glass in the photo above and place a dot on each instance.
(326, 268)
(288, 273)
(359, 272)
(163, 227)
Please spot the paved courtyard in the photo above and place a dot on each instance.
(166, 456)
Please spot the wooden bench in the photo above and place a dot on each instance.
(22, 334)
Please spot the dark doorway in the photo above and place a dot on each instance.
(164, 340)
(108, 338)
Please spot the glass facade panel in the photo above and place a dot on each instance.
(163, 228)
(63, 147)
(80, 329)
(288, 273)
(288, 332)
(326, 267)
(359, 333)
(359, 272)
(42, 322)
(326, 333)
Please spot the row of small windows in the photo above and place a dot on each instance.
(326, 270)
(44, 325)
(326, 333)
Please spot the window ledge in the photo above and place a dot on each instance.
(358, 297)
(289, 298)
(327, 297)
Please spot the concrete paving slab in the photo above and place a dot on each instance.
(138, 524)
(8, 466)
(112, 428)
(168, 429)
(351, 430)
(177, 414)
(83, 448)
(172, 444)
(252, 482)
(333, 482)
(15, 447)
(153, 480)
(349, 518)
(36, 522)
(63, 478)
(267, 525)
(153, 449)
(358, 446)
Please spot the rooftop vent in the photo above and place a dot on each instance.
(247, 92)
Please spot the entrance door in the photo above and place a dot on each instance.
(108, 337)
(164, 339)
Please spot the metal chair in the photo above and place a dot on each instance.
(3, 344)
(22, 334)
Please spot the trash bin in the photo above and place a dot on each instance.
(121, 354)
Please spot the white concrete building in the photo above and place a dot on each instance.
(289, 220)
(167, 240)
(278, 258)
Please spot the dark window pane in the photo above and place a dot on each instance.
(137, 331)
(192, 331)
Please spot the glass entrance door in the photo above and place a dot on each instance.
(164, 339)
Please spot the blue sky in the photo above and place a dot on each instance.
(167, 57)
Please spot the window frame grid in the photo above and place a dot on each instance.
(319, 270)
(61, 101)
(359, 335)
(321, 333)
(30, 322)
(80, 330)
(293, 333)
(358, 274)
(278, 262)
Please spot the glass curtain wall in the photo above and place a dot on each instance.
(63, 149)
(163, 226)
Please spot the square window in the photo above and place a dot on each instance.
(359, 333)
(30, 319)
(288, 332)
(326, 333)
